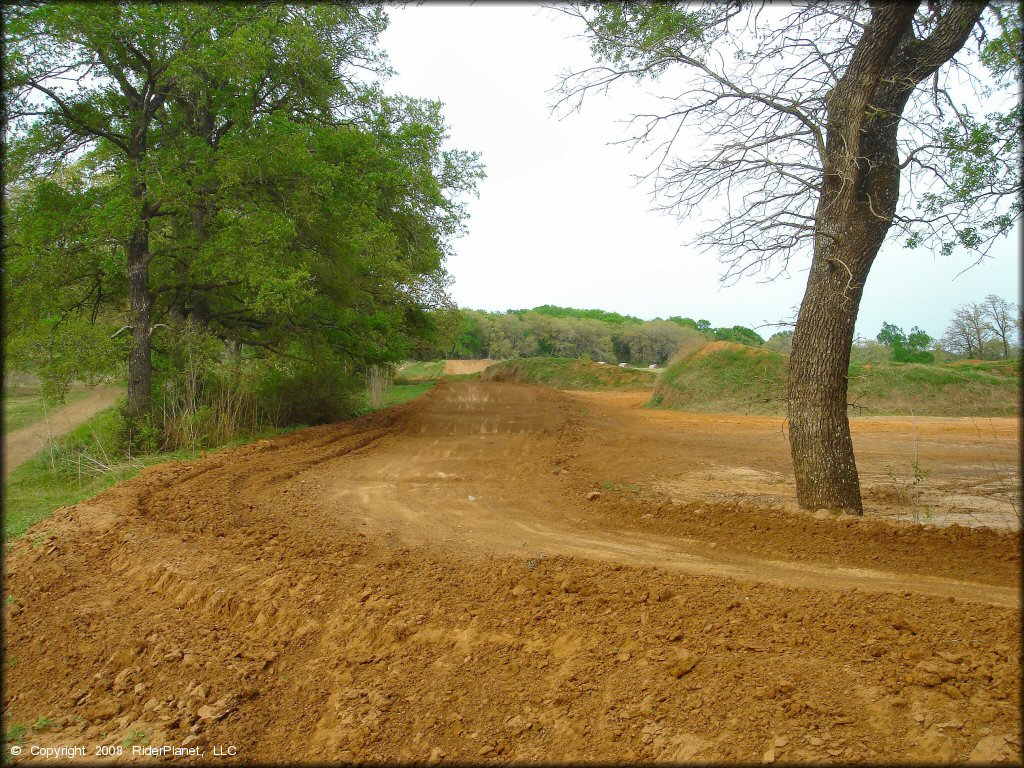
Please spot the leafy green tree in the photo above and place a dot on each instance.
(781, 341)
(590, 314)
(739, 334)
(906, 348)
(814, 119)
(224, 165)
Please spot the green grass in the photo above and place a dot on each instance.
(22, 408)
(420, 371)
(565, 373)
(935, 390)
(730, 378)
(51, 479)
(401, 393)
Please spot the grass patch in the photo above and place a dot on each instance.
(76, 466)
(565, 373)
(24, 407)
(401, 393)
(83, 463)
(419, 371)
(723, 377)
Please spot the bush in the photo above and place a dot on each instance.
(310, 393)
(133, 432)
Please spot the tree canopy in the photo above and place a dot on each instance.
(234, 166)
(756, 87)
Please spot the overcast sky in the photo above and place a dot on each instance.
(560, 219)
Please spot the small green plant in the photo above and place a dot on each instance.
(10, 661)
(44, 723)
(136, 737)
(38, 539)
(908, 487)
(608, 485)
(10, 600)
(13, 735)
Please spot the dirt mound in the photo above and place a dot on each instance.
(456, 367)
(432, 583)
(570, 374)
(717, 346)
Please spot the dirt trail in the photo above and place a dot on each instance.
(454, 367)
(435, 582)
(20, 445)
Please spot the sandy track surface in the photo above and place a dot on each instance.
(20, 445)
(454, 367)
(433, 582)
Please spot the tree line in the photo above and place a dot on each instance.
(986, 330)
(550, 331)
(208, 191)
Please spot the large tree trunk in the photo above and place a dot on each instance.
(819, 428)
(859, 194)
(140, 300)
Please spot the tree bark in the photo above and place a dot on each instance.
(140, 304)
(849, 229)
(860, 190)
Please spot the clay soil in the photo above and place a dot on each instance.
(455, 367)
(508, 573)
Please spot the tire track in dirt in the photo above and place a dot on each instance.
(327, 595)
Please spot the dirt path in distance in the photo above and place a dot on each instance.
(455, 367)
(438, 582)
(22, 444)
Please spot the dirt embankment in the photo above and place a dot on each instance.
(456, 367)
(433, 583)
(22, 444)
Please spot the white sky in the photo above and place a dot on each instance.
(559, 219)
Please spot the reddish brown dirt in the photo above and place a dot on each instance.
(21, 445)
(432, 583)
(455, 367)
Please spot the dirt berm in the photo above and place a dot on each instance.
(439, 582)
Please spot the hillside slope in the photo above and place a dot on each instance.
(726, 377)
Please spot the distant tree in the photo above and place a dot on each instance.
(781, 341)
(906, 348)
(869, 351)
(738, 334)
(589, 314)
(968, 332)
(1004, 319)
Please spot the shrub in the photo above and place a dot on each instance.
(317, 392)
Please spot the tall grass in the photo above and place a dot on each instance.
(378, 383)
(223, 409)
